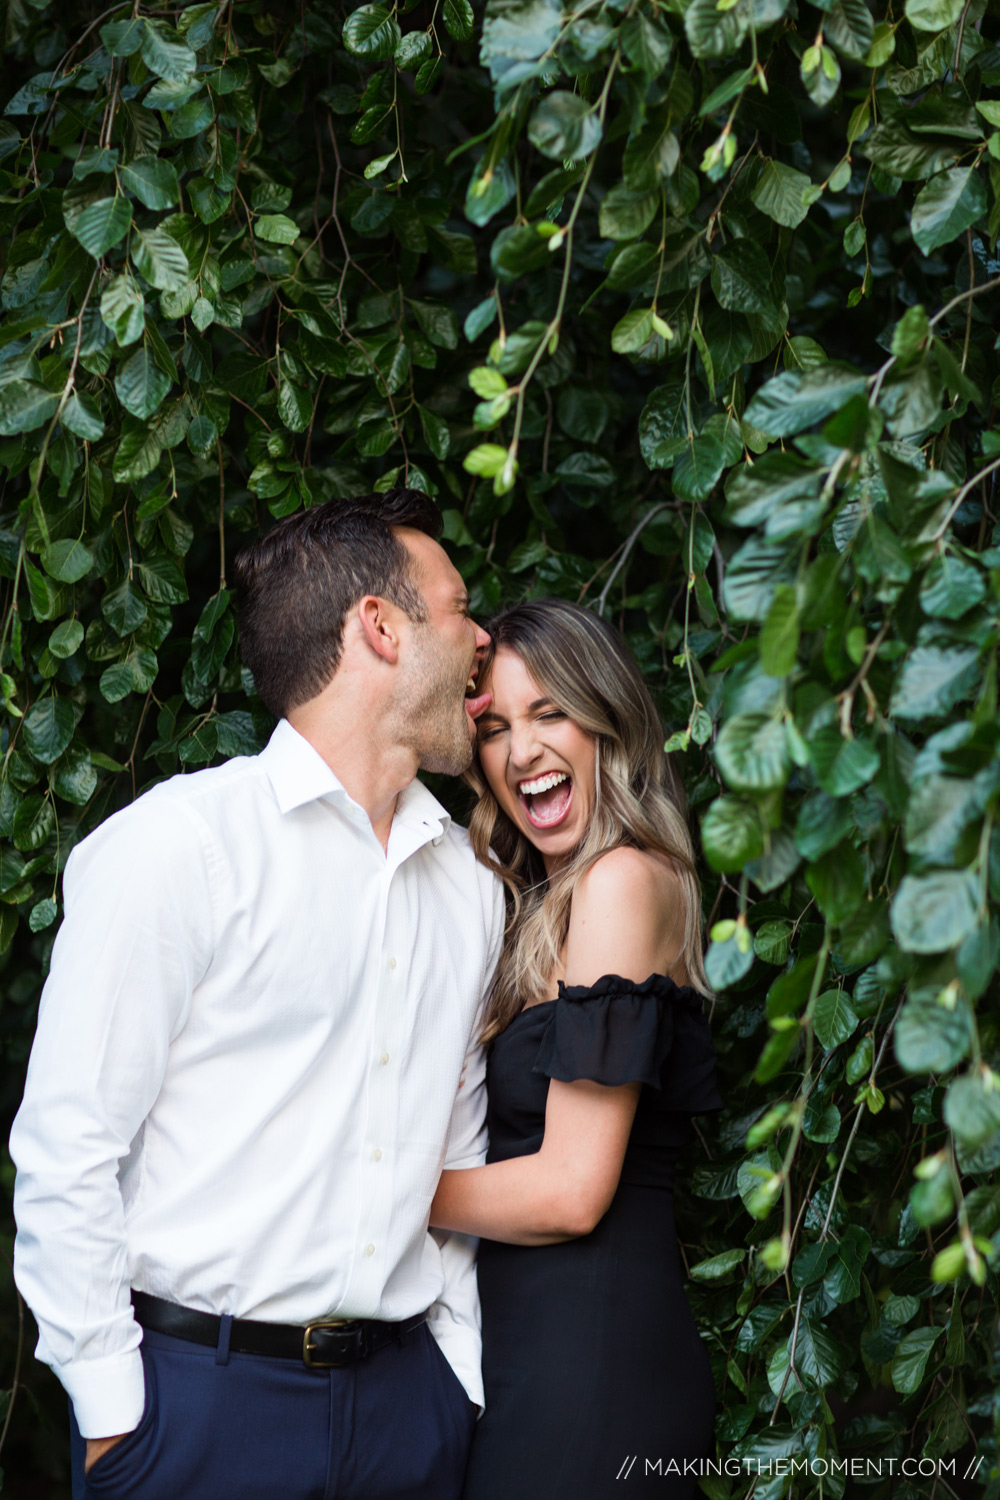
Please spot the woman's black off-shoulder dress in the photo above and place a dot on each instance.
(597, 1382)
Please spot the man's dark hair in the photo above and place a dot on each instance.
(298, 583)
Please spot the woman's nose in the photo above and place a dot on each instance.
(525, 747)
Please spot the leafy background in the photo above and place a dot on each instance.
(686, 310)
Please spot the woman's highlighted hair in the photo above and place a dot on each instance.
(585, 667)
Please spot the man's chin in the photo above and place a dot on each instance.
(449, 760)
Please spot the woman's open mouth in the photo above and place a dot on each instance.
(546, 799)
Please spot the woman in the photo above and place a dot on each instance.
(598, 1056)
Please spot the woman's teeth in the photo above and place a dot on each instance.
(543, 784)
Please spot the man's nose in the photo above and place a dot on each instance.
(482, 637)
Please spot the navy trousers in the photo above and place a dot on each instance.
(221, 1426)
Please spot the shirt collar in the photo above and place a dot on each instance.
(296, 771)
(299, 774)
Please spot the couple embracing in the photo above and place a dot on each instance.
(260, 1071)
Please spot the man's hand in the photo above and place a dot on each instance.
(97, 1447)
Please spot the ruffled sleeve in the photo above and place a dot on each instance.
(620, 1031)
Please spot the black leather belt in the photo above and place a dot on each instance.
(325, 1344)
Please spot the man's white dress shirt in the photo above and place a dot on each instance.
(255, 1053)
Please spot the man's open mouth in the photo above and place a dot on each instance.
(546, 799)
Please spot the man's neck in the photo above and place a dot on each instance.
(372, 772)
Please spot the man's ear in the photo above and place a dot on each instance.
(379, 626)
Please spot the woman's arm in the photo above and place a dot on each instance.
(562, 1190)
(625, 919)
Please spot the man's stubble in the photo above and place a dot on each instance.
(430, 712)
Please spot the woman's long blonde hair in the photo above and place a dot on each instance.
(585, 667)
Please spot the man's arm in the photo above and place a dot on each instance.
(134, 942)
(455, 1318)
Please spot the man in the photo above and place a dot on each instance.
(255, 1053)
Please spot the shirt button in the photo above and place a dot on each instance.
(392, 963)
(376, 1154)
(384, 1058)
(369, 1249)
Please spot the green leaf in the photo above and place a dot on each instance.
(712, 32)
(797, 399)
(173, 61)
(141, 384)
(842, 765)
(69, 561)
(752, 752)
(731, 834)
(42, 915)
(163, 580)
(82, 416)
(416, 47)
(564, 125)
(159, 259)
(771, 942)
(633, 332)
(437, 434)
(779, 639)
(123, 309)
(928, 1038)
(972, 1110)
(950, 203)
(663, 424)
(728, 960)
(437, 321)
(933, 15)
(48, 728)
(278, 229)
(116, 682)
(34, 821)
(123, 38)
(100, 224)
(458, 19)
(124, 608)
(152, 180)
(741, 277)
(486, 460)
(650, 158)
(25, 405)
(295, 406)
(138, 453)
(834, 1019)
(909, 1363)
(837, 880)
(932, 913)
(780, 192)
(66, 639)
(933, 679)
(717, 1266)
(647, 43)
(372, 33)
(698, 467)
(893, 147)
(624, 215)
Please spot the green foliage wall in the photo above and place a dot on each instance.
(687, 310)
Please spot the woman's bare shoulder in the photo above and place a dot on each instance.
(626, 874)
(627, 909)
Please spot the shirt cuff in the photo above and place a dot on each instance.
(108, 1395)
(463, 1349)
